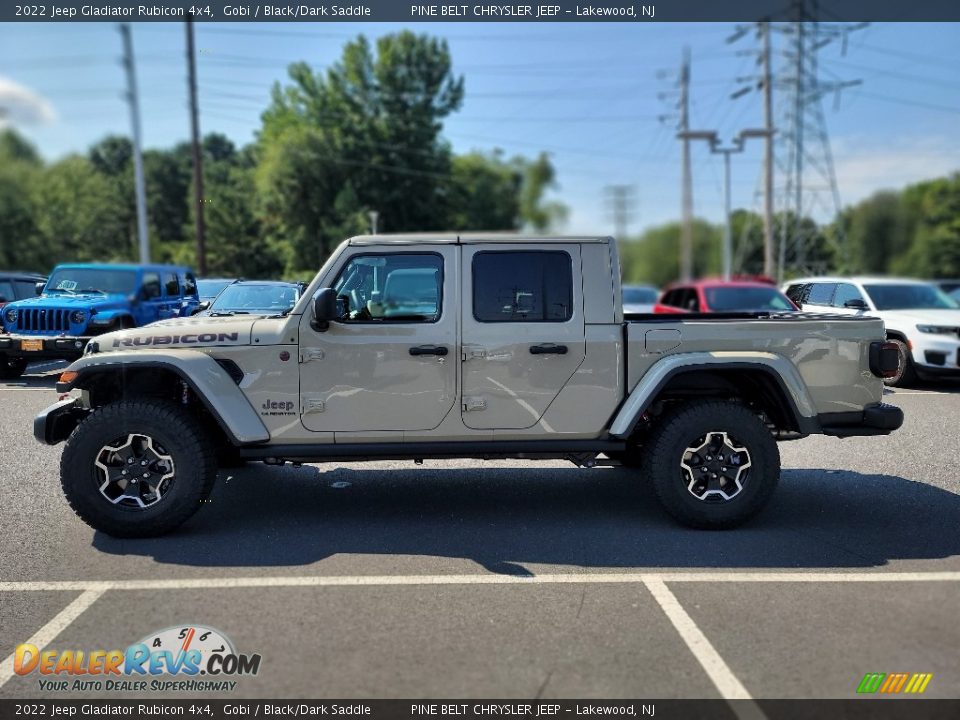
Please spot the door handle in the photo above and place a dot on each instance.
(428, 350)
(548, 349)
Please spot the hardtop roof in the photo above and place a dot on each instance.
(123, 266)
(472, 238)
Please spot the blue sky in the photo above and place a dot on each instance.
(589, 94)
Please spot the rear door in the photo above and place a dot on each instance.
(523, 331)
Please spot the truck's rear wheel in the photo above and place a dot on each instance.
(137, 468)
(713, 464)
(12, 368)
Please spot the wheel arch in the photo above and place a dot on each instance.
(766, 381)
(131, 375)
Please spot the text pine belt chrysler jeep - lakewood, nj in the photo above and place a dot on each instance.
(480, 346)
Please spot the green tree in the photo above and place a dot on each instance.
(20, 168)
(76, 213)
(655, 257)
(372, 122)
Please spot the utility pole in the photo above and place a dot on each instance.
(622, 202)
(132, 98)
(735, 147)
(374, 217)
(197, 153)
(686, 229)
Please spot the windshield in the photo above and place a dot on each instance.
(92, 280)
(741, 299)
(209, 289)
(639, 295)
(909, 297)
(257, 299)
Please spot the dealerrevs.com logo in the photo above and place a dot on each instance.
(894, 683)
(185, 658)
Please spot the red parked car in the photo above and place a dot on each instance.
(718, 296)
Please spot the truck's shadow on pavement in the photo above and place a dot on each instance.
(504, 519)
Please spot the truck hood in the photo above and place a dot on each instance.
(912, 318)
(80, 301)
(194, 332)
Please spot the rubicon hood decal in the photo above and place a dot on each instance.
(222, 338)
(180, 332)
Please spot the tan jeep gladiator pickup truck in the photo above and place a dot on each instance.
(457, 346)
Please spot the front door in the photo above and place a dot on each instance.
(523, 331)
(146, 309)
(390, 362)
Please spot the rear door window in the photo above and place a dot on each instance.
(522, 286)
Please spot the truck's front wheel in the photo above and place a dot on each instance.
(713, 464)
(137, 468)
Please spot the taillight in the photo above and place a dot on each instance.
(884, 359)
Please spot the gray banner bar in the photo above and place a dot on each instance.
(549, 11)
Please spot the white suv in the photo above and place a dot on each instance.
(920, 318)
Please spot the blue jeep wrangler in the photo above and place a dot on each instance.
(80, 301)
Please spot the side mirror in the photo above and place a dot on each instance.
(324, 308)
(855, 304)
(204, 305)
(39, 287)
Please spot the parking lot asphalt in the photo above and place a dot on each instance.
(511, 579)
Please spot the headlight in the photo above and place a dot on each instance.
(78, 316)
(938, 329)
(11, 315)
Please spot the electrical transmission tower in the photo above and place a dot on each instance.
(679, 113)
(804, 188)
(622, 201)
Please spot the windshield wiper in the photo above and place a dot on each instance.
(93, 290)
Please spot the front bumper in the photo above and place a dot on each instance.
(879, 419)
(42, 347)
(936, 355)
(55, 423)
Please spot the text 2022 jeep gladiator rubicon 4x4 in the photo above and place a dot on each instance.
(480, 346)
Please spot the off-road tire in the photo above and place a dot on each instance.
(12, 368)
(683, 428)
(906, 373)
(171, 427)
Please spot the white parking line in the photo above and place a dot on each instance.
(477, 579)
(924, 392)
(714, 666)
(717, 670)
(45, 635)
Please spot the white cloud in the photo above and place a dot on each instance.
(864, 169)
(21, 106)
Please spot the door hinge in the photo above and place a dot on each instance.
(308, 354)
(312, 405)
(474, 403)
(473, 353)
